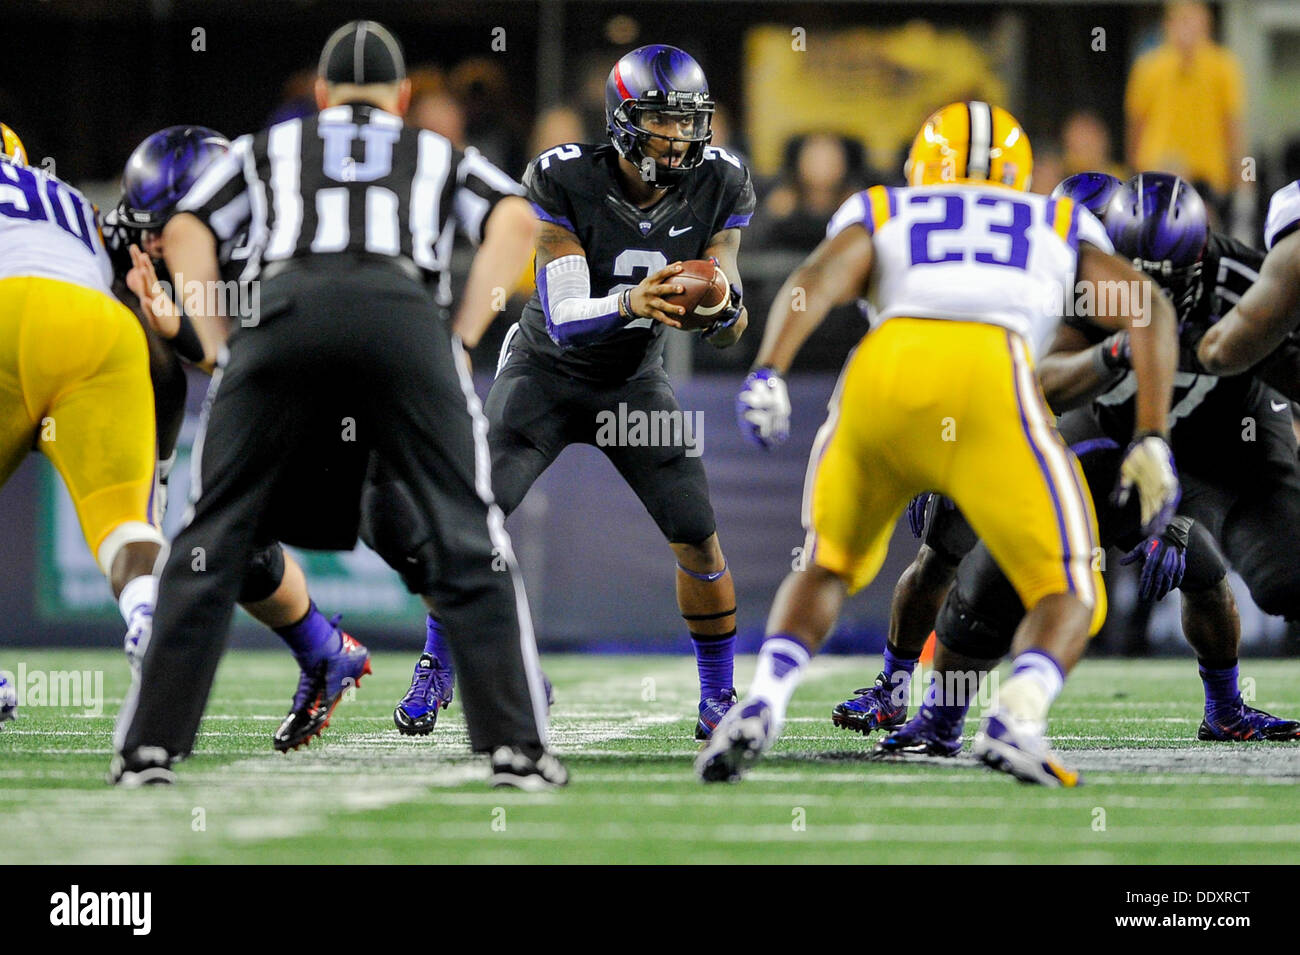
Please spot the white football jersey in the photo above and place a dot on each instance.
(972, 253)
(1283, 214)
(49, 229)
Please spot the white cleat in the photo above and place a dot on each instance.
(136, 641)
(741, 738)
(1018, 747)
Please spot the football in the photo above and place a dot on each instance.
(705, 296)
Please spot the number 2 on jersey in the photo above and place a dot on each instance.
(952, 219)
(626, 266)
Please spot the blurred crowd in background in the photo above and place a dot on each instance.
(1183, 113)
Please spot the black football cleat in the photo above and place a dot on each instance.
(143, 766)
(431, 689)
(922, 735)
(517, 767)
(872, 709)
(319, 692)
(1250, 725)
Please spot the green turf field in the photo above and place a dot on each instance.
(365, 794)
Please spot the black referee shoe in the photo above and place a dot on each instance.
(515, 766)
(143, 766)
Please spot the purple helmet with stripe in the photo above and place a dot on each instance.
(1158, 220)
(162, 169)
(659, 93)
(1092, 190)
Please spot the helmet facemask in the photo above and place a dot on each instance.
(649, 131)
(1183, 284)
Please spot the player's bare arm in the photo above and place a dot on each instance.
(1263, 317)
(509, 236)
(724, 247)
(1070, 373)
(834, 274)
(1152, 328)
(191, 256)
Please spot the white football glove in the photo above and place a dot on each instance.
(1149, 465)
(763, 408)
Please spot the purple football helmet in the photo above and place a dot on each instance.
(664, 80)
(1092, 190)
(1158, 220)
(161, 171)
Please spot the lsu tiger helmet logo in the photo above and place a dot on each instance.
(11, 146)
(970, 142)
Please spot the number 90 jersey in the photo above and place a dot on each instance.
(971, 253)
(48, 229)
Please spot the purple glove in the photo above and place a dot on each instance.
(1164, 559)
(916, 509)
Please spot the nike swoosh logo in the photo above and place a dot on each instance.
(675, 231)
(1279, 405)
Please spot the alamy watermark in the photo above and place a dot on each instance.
(1088, 299)
(74, 689)
(637, 428)
(232, 298)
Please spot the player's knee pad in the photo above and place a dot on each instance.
(963, 631)
(1206, 565)
(688, 521)
(264, 574)
(396, 529)
(128, 532)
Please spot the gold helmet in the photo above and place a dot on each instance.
(11, 146)
(970, 142)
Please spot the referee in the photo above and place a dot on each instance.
(351, 217)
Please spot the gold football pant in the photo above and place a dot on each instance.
(952, 407)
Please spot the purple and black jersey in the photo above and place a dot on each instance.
(577, 187)
(1206, 411)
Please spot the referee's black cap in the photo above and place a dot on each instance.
(362, 52)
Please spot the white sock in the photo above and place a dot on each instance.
(1035, 682)
(138, 597)
(781, 662)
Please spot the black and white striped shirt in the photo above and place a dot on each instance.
(352, 178)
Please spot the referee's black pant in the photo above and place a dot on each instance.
(358, 348)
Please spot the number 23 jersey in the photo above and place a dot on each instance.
(577, 187)
(972, 253)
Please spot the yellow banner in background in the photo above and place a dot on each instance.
(877, 86)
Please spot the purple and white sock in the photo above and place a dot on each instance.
(781, 662)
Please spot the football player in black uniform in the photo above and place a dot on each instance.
(1237, 463)
(158, 174)
(1232, 435)
(617, 218)
(1268, 313)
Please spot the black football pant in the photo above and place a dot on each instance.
(980, 615)
(1250, 502)
(363, 345)
(536, 412)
